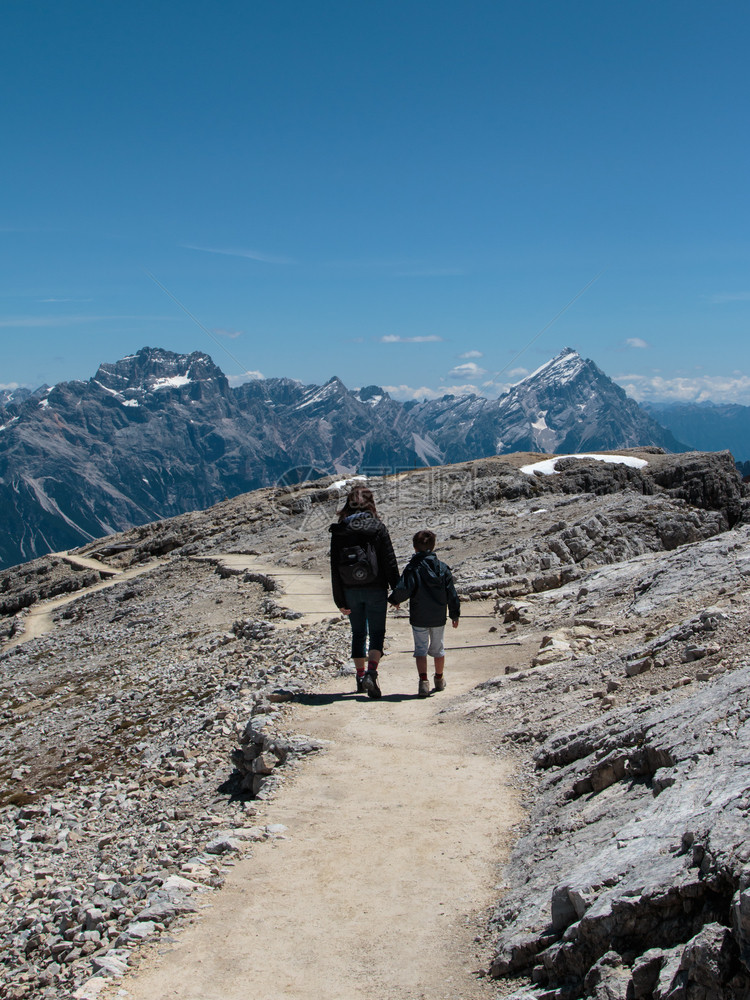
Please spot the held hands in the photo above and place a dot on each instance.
(345, 611)
(454, 622)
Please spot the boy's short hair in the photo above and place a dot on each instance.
(424, 540)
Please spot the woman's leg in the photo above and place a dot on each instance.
(376, 608)
(358, 622)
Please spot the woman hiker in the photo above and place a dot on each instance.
(363, 567)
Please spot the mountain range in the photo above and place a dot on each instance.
(156, 434)
(707, 426)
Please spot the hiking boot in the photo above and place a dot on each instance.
(424, 689)
(361, 684)
(439, 682)
(371, 686)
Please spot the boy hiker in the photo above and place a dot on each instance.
(428, 585)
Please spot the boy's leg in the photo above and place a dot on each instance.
(421, 642)
(439, 679)
(437, 651)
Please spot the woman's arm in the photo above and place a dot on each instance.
(336, 585)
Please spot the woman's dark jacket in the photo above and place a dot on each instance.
(428, 585)
(358, 529)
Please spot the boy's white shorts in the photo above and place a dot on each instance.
(428, 641)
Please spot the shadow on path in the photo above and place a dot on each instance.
(323, 698)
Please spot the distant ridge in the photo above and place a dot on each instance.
(707, 426)
(156, 434)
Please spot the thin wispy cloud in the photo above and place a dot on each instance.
(263, 258)
(635, 342)
(467, 355)
(733, 388)
(431, 272)
(66, 300)
(9, 386)
(724, 297)
(392, 338)
(29, 322)
(230, 334)
(469, 370)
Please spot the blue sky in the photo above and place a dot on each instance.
(405, 193)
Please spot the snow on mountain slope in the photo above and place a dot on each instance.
(157, 434)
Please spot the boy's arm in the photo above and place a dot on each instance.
(389, 558)
(454, 603)
(403, 589)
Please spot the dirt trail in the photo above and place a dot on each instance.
(39, 619)
(394, 837)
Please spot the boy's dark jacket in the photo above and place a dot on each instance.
(428, 585)
(359, 529)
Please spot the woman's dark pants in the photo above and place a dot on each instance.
(368, 606)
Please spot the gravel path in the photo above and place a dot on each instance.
(380, 884)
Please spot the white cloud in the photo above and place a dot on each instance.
(635, 342)
(468, 370)
(235, 380)
(518, 373)
(723, 297)
(264, 258)
(231, 334)
(9, 385)
(404, 392)
(392, 338)
(471, 354)
(698, 389)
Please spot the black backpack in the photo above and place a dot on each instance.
(358, 565)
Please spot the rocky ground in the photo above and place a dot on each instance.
(129, 763)
(119, 799)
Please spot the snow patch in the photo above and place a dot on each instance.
(540, 424)
(106, 388)
(547, 467)
(10, 423)
(426, 449)
(327, 390)
(130, 402)
(341, 484)
(173, 382)
(44, 403)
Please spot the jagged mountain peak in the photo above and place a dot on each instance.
(563, 368)
(153, 368)
(159, 433)
(371, 394)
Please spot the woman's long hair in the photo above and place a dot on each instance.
(358, 500)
